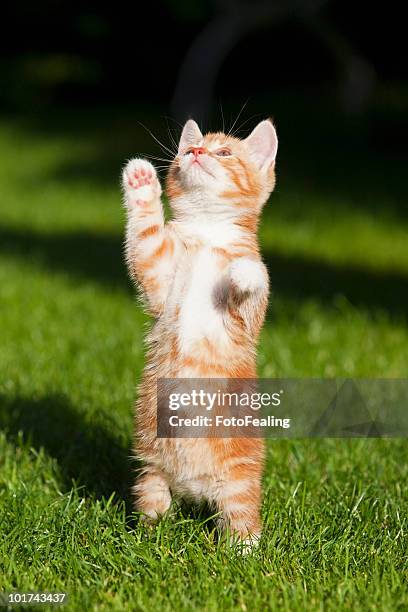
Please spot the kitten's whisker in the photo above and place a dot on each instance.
(172, 140)
(163, 159)
(238, 116)
(174, 121)
(241, 125)
(157, 140)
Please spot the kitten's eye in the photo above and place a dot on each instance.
(223, 152)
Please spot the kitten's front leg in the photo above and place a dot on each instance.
(249, 290)
(248, 275)
(150, 248)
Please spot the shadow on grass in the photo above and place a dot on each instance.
(98, 257)
(86, 452)
(299, 278)
(84, 255)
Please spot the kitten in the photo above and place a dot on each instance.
(216, 185)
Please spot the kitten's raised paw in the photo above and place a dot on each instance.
(247, 274)
(140, 182)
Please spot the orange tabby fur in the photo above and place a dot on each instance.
(203, 280)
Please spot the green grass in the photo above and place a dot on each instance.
(71, 353)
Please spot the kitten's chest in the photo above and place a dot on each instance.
(198, 282)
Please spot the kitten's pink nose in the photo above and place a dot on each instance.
(196, 151)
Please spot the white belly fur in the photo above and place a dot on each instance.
(198, 315)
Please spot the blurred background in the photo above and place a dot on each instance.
(188, 57)
(85, 86)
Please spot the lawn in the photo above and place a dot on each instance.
(334, 237)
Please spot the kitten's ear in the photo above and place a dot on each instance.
(262, 144)
(191, 135)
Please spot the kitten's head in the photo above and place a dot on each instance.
(221, 172)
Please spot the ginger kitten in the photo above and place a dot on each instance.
(217, 186)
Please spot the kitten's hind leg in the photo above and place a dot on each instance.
(238, 501)
(152, 494)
